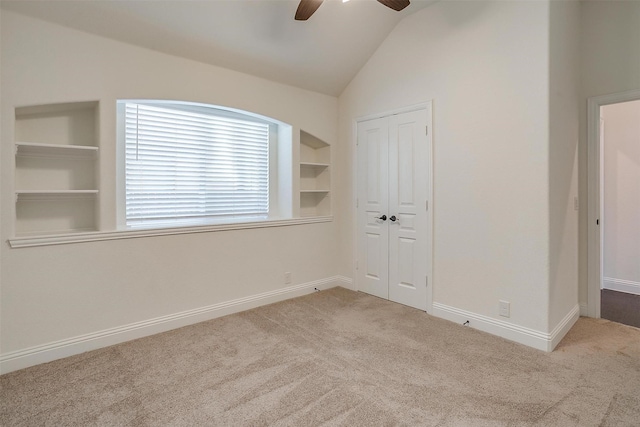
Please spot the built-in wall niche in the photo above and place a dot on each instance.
(41, 213)
(315, 176)
(56, 168)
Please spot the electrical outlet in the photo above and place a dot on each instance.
(504, 308)
(287, 278)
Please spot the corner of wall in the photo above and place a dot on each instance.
(562, 142)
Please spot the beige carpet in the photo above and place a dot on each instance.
(336, 358)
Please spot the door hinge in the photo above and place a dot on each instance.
(426, 205)
(597, 222)
(426, 130)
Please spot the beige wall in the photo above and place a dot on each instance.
(609, 63)
(485, 65)
(621, 147)
(53, 293)
(564, 89)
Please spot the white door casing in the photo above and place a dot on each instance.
(394, 180)
(594, 199)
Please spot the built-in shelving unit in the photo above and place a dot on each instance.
(56, 168)
(315, 176)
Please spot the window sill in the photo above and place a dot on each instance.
(63, 239)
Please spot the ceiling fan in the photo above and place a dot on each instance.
(306, 8)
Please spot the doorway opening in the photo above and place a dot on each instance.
(613, 206)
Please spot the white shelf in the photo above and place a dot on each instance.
(54, 195)
(315, 176)
(312, 141)
(60, 192)
(41, 149)
(55, 181)
(314, 165)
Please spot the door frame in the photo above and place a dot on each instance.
(428, 107)
(595, 196)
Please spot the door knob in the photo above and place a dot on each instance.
(383, 217)
(393, 218)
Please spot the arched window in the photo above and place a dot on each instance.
(189, 164)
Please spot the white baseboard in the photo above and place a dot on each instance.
(345, 282)
(563, 327)
(584, 309)
(68, 347)
(621, 285)
(529, 337)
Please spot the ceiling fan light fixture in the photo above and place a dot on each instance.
(396, 5)
(306, 8)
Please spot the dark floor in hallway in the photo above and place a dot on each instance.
(620, 307)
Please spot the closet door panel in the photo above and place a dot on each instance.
(373, 232)
(408, 168)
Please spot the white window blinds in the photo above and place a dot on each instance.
(186, 165)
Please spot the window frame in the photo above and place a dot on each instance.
(280, 167)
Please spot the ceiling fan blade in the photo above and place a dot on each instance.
(306, 8)
(396, 5)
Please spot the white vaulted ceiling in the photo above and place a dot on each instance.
(258, 37)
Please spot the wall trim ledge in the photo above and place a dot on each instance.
(512, 332)
(36, 355)
(99, 236)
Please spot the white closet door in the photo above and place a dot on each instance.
(394, 257)
(373, 232)
(408, 190)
